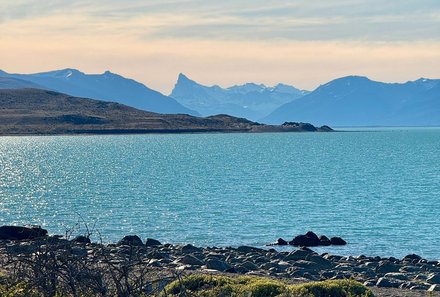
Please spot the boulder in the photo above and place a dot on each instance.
(434, 288)
(299, 254)
(191, 260)
(132, 240)
(324, 241)
(412, 257)
(434, 278)
(386, 267)
(398, 275)
(279, 241)
(21, 233)
(323, 263)
(248, 249)
(189, 248)
(384, 282)
(82, 239)
(218, 265)
(152, 242)
(337, 241)
(308, 239)
(249, 266)
(308, 265)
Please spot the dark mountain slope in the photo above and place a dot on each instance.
(34, 111)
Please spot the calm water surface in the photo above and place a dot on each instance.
(379, 190)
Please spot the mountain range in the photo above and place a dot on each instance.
(359, 101)
(107, 86)
(346, 101)
(251, 101)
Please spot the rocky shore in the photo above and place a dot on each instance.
(299, 265)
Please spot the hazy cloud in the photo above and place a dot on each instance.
(292, 20)
(301, 42)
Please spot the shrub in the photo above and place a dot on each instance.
(214, 286)
(342, 288)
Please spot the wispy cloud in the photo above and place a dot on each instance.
(301, 42)
(376, 20)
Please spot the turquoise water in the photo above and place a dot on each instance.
(378, 190)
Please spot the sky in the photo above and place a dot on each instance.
(304, 43)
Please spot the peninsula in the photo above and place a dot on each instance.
(43, 112)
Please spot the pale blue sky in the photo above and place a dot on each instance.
(225, 42)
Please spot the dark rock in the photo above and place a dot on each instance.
(217, 265)
(337, 241)
(189, 248)
(323, 263)
(23, 248)
(21, 233)
(82, 239)
(434, 278)
(369, 283)
(156, 255)
(249, 266)
(384, 282)
(248, 249)
(409, 269)
(279, 241)
(191, 260)
(308, 239)
(412, 257)
(408, 285)
(328, 274)
(132, 240)
(434, 288)
(152, 242)
(307, 265)
(324, 241)
(386, 267)
(299, 254)
(79, 252)
(397, 275)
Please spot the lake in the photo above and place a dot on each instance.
(379, 189)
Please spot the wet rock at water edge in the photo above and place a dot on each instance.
(324, 241)
(132, 240)
(152, 242)
(311, 239)
(337, 241)
(308, 239)
(21, 233)
(82, 239)
(189, 248)
(279, 241)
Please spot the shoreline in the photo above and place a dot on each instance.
(409, 274)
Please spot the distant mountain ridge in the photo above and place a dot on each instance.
(359, 101)
(252, 101)
(346, 101)
(107, 86)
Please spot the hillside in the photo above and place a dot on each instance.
(252, 101)
(35, 111)
(359, 101)
(15, 83)
(106, 86)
